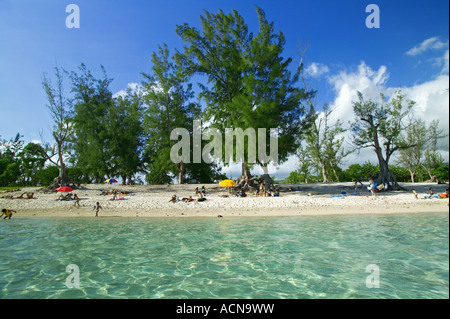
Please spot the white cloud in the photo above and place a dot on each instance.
(442, 62)
(431, 100)
(347, 84)
(429, 44)
(133, 86)
(432, 103)
(316, 69)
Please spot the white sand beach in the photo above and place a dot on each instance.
(295, 200)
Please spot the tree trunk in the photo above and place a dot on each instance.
(413, 175)
(386, 176)
(62, 177)
(324, 173)
(334, 171)
(245, 175)
(266, 177)
(182, 169)
(428, 171)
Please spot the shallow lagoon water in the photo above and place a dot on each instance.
(289, 257)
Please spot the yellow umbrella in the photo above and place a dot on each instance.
(227, 183)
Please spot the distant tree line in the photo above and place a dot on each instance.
(358, 172)
(245, 82)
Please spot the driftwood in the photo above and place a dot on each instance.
(434, 179)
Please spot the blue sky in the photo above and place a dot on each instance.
(121, 35)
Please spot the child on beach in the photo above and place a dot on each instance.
(198, 193)
(7, 212)
(76, 201)
(415, 194)
(97, 207)
(174, 199)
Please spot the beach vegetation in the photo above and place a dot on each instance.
(249, 83)
(379, 125)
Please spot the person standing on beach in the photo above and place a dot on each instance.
(372, 187)
(97, 207)
(7, 212)
(76, 201)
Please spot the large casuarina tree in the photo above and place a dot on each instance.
(168, 97)
(249, 84)
(379, 125)
(92, 103)
(61, 109)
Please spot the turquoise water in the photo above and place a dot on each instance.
(291, 257)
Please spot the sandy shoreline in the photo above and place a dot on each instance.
(153, 201)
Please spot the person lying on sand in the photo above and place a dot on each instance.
(242, 194)
(174, 199)
(444, 195)
(7, 212)
(114, 193)
(21, 196)
(64, 197)
(188, 200)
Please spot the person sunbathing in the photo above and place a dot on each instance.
(114, 193)
(64, 197)
(13, 197)
(187, 200)
(174, 199)
(30, 196)
(444, 195)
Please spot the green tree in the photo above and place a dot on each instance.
(305, 163)
(126, 135)
(249, 84)
(379, 126)
(433, 158)
(295, 177)
(48, 174)
(412, 157)
(61, 110)
(168, 96)
(441, 172)
(92, 103)
(32, 160)
(10, 173)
